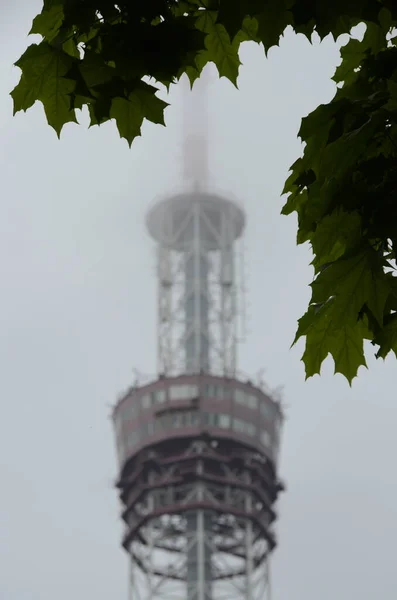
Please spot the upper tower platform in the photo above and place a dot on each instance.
(170, 221)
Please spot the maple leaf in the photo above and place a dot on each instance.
(44, 71)
(323, 337)
(49, 22)
(128, 115)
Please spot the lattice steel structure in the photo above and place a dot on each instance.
(198, 447)
(199, 290)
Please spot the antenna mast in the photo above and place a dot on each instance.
(195, 130)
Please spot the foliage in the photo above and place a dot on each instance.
(344, 192)
(101, 54)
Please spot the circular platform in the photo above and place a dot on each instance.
(188, 406)
(170, 221)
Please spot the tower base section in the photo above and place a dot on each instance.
(199, 516)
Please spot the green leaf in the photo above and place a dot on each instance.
(152, 107)
(202, 59)
(192, 73)
(49, 22)
(272, 22)
(355, 51)
(387, 338)
(334, 235)
(248, 31)
(233, 13)
(341, 156)
(352, 54)
(219, 48)
(43, 78)
(347, 350)
(128, 115)
(130, 111)
(206, 21)
(334, 322)
(70, 47)
(23, 95)
(79, 101)
(343, 343)
(99, 110)
(223, 53)
(353, 282)
(94, 70)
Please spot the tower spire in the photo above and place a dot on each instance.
(195, 131)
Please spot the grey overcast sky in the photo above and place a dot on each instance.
(78, 302)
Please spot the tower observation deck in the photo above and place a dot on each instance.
(198, 446)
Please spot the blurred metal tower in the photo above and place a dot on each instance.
(198, 447)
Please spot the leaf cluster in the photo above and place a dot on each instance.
(344, 191)
(102, 54)
(96, 53)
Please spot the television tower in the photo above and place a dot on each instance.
(198, 445)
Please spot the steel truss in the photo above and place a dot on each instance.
(199, 521)
(200, 295)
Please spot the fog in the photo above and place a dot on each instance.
(78, 314)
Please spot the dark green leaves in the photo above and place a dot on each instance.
(354, 282)
(323, 337)
(349, 297)
(222, 52)
(49, 22)
(387, 338)
(127, 113)
(130, 112)
(344, 191)
(273, 18)
(64, 82)
(334, 235)
(161, 39)
(45, 78)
